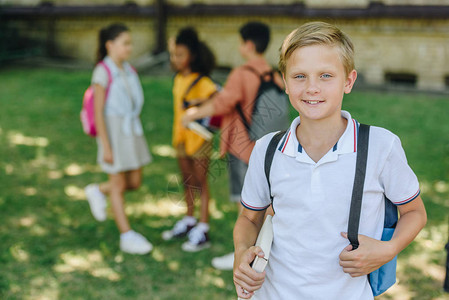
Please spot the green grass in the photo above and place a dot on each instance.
(52, 248)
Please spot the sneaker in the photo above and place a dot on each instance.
(180, 230)
(198, 240)
(225, 262)
(134, 243)
(97, 201)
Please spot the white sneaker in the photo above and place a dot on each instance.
(97, 201)
(134, 243)
(225, 262)
(198, 240)
(180, 230)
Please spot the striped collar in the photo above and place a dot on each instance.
(346, 144)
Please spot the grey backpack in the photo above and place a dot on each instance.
(271, 108)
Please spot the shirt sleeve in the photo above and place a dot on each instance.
(255, 193)
(100, 76)
(230, 95)
(207, 88)
(400, 182)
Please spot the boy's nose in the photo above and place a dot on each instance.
(312, 87)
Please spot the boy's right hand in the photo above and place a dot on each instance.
(246, 279)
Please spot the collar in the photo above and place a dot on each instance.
(114, 68)
(347, 143)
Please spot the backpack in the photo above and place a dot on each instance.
(383, 278)
(271, 108)
(87, 114)
(212, 123)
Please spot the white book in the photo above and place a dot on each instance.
(264, 241)
(200, 130)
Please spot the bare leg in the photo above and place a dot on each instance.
(133, 179)
(200, 169)
(117, 187)
(105, 187)
(186, 166)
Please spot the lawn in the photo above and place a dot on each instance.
(52, 248)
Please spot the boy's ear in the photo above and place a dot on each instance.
(250, 45)
(285, 83)
(350, 81)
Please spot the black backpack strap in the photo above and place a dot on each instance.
(359, 181)
(184, 101)
(239, 107)
(269, 155)
(261, 75)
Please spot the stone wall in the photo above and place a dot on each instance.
(383, 45)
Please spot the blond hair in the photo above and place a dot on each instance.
(318, 33)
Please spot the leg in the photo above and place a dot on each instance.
(198, 236)
(237, 172)
(200, 169)
(188, 180)
(117, 187)
(105, 187)
(133, 179)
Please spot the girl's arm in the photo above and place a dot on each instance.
(246, 229)
(99, 101)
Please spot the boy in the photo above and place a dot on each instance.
(241, 88)
(312, 176)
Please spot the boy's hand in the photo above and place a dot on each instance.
(189, 116)
(368, 257)
(247, 280)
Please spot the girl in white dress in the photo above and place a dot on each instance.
(122, 148)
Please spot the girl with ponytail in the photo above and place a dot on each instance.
(193, 61)
(122, 148)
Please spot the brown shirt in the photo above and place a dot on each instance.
(241, 88)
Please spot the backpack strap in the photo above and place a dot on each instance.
(185, 103)
(269, 155)
(104, 65)
(239, 109)
(359, 181)
(262, 80)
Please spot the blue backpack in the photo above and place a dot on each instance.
(383, 278)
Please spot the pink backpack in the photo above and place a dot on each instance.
(88, 110)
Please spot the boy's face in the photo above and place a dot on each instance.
(315, 81)
(246, 48)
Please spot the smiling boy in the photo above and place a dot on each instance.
(311, 180)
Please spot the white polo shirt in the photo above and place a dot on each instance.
(311, 203)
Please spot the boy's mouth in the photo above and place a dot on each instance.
(312, 102)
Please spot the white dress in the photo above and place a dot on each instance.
(121, 114)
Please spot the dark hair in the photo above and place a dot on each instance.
(203, 60)
(108, 33)
(258, 33)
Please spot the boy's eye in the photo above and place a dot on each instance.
(326, 76)
(300, 76)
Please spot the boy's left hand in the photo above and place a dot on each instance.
(368, 257)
